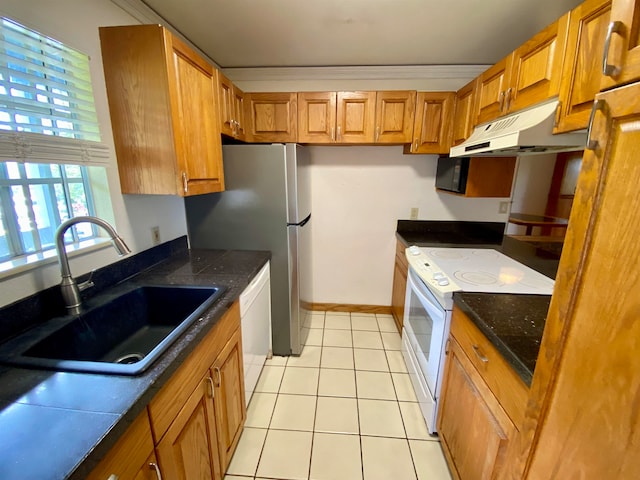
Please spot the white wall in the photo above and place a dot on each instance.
(531, 187)
(75, 23)
(358, 194)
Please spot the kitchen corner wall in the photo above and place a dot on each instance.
(358, 194)
(75, 23)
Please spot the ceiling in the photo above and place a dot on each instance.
(297, 33)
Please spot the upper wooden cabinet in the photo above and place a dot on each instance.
(271, 117)
(527, 76)
(432, 125)
(395, 116)
(464, 114)
(621, 61)
(582, 68)
(231, 107)
(355, 117)
(162, 102)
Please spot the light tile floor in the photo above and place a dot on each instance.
(344, 409)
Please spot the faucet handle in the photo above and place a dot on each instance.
(88, 283)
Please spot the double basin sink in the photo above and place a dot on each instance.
(122, 335)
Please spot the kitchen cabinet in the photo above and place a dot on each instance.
(198, 415)
(582, 68)
(132, 457)
(162, 102)
(584, 393)
(432, 125)
(395, 112)
(488, 177)
(272, 117)
(464, 114)
(474, 424)
(621, 63)
(529, 75)
(336, 117)
(230, 412)
(189, 449)
(231, 108)
(400, 272)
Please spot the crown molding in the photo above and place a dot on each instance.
(403, 72)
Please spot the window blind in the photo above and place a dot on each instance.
(47, 110)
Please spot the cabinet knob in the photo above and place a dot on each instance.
(508, 99)
(608, 69)
(501, 101)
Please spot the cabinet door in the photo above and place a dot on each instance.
(592, 404)
(432, 127)
(228, 376)
(623, 54)
(394, 116)
(130, 457)
(238, 113)
(225, 104)
(356, 113)
(192, 82)
(272, 117)
(536, 70)
(464, 115)
(398, 292)
(582, 69)
(317, 117)
(188, 451)
(473, 428)
(492, 89)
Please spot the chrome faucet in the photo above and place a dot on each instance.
(69, 287)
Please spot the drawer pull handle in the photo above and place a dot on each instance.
(601, 105)
(154, 466)
(608, 69)
(211, 387)
(218, 376)
(482, 358)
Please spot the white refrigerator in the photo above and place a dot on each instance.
(266, 205)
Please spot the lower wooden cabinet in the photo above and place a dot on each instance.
(230, 411)
(189, 449)
(481, 402)
(400, 272)
(132, 457)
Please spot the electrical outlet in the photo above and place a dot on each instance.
(414, 213)
(155, 235)
(504, 207)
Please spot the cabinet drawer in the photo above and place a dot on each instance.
(509, 389)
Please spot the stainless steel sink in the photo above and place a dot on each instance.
(123, 335)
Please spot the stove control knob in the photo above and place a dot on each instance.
(414, 250)
(439, 276)
(443, 282)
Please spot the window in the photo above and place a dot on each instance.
(49, 138)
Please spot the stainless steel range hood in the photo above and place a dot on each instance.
(522, 133)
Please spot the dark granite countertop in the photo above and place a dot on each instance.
(513, 323)
(58, 425)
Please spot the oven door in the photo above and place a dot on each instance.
(426, 325)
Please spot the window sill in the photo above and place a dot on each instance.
(37, 260)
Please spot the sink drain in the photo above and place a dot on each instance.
(130, 358)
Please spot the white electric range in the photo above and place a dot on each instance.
(435, 273)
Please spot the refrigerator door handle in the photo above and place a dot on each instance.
(300, 224)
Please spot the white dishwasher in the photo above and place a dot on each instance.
(255, 320)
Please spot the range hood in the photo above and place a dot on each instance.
(525, 132)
